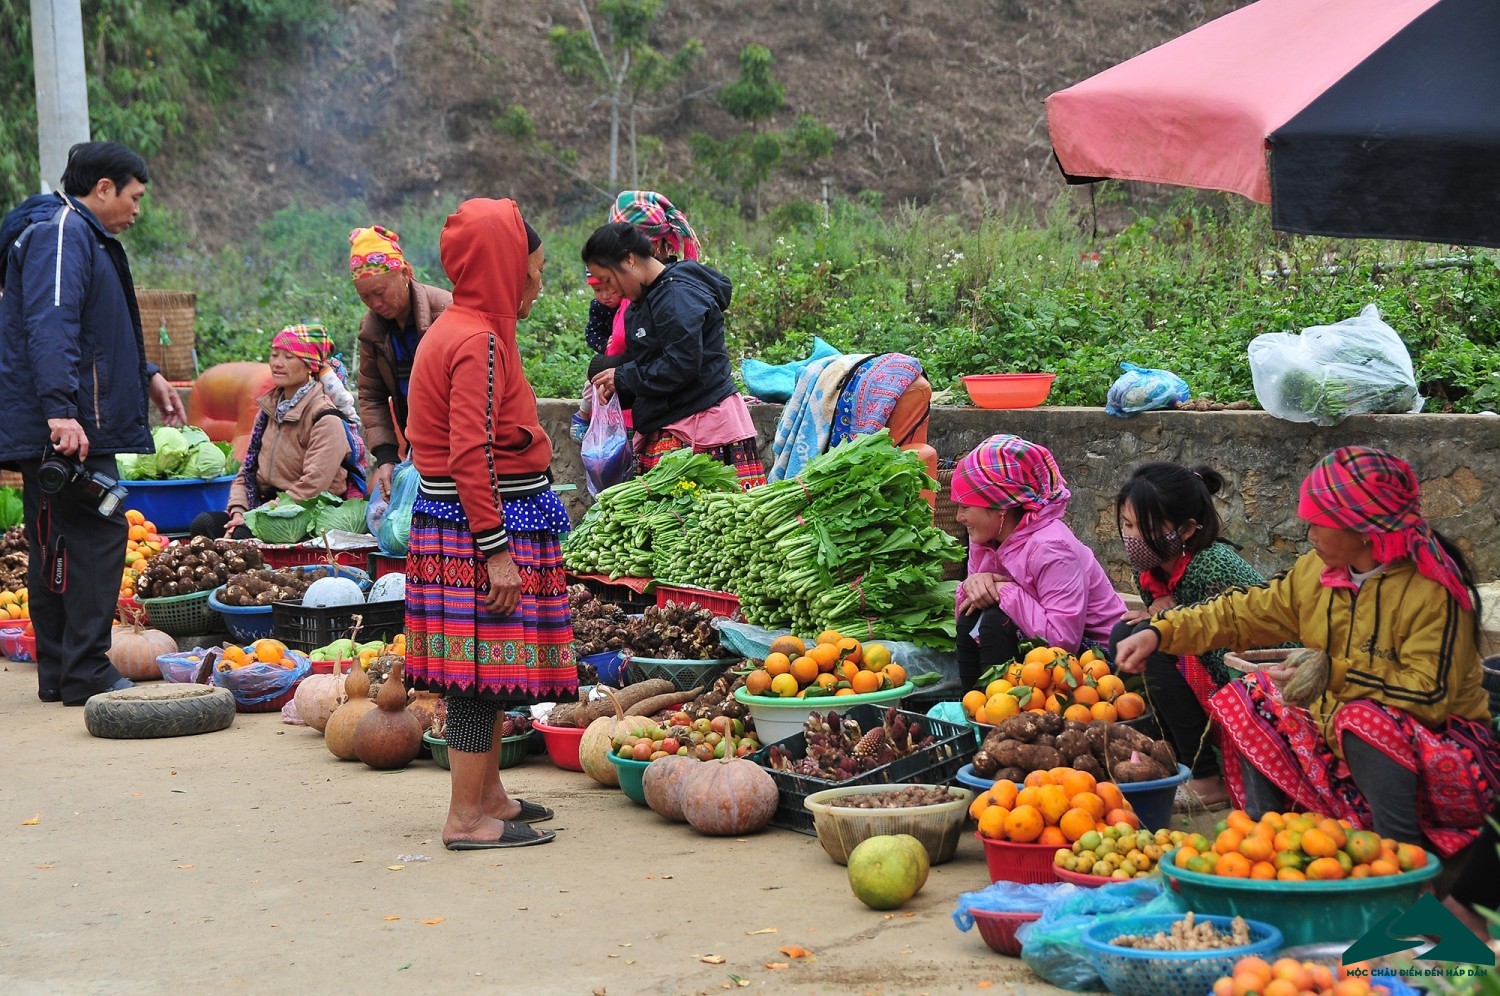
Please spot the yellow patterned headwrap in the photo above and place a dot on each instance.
(375, 250)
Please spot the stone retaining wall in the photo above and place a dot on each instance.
(1262, 458)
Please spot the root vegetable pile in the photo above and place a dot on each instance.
(837, 749)
(675, 632)
(264, 586)
(598, 626)
(514, 725)
(719, 700)
(201, 564)
(913, 795)
(1188, 935)
(1036, 741)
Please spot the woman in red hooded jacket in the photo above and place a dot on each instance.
(487, 617)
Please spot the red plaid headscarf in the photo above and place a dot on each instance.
(1007, 471)
(309, 343)
(1376, 494)
(664, 225)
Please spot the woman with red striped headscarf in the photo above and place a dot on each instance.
(1393, 733)
(1029, 577)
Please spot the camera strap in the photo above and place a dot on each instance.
(56, 547)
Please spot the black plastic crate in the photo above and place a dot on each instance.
(307, 629)
(937, 764)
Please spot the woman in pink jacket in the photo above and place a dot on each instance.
(1029, 576)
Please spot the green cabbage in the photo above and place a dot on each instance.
(193, 435)
(127, 465)
(348, 516)
(145, 467)
(171, 448)
(279, 521)
(10, 507)
(204, 460)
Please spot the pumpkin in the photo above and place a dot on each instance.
(728, 797)
(662, 784)
(339, 733)
(388, 736)
(318, 696)
(133, 651)
(598, 741)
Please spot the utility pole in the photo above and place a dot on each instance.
(62, 95)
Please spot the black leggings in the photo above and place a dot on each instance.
(998, 641)
(471, 724)
(1179, 716)
(1388, 788)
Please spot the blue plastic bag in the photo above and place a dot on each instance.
(1010, 897)
(776, 382)
(395, 525)
(1052, 946)
(1142, 389)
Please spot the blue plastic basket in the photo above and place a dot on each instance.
(172, 506)
(246, 623)
(607, 665)
(1143, 972)
(1152, 801)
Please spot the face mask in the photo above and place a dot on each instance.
(1142, 558)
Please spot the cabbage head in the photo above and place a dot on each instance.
(127, 466)
(145, 467)
(204, 460)
(193, 435)
(348, 516)
(279, 521)
(171, 448)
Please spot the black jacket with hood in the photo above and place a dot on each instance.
(676, 363)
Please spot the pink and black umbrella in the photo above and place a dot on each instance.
(1364, 118)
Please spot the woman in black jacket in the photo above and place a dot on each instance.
(675, 376)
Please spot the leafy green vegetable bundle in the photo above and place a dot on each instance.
(640, 528)
(849, 544)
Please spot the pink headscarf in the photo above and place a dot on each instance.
(1373, 493)
(1007, 471)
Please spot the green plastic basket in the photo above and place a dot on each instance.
(513, 750)
(183, 615)
(682, 674)
(631, 773)
(1305, 912)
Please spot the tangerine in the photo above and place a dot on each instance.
(1257, 847)
(1233, 865)
(1290, 875)
(895, 672)
(997, 687)
(1037, 675)
(828, 636)
(827, 656)
(1104, 712)
(1335, 829)
(1075, 823)
(790, 646)
(1110, 687)
(758, 682)
(826, 681)
(1001, 707)
(865, 682)
(1085, 695)
(877, 656)
(850, 650)
(1053, 836)
(973, 700)
(805, 670)
(1318, 844)
(784, 686)
(1024, 824)
(1263, 870)
(1040, 655)
(1130, 706)
(1228, 841)
(1325, 869)
(133, 517)
(777, 664)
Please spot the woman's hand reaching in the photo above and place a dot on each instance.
(1131, 652)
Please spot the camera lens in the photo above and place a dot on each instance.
(52, 475)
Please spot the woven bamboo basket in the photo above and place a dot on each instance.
(945, 517)
(168, 323)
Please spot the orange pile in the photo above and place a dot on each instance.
(1054, 807)
(15, 604)
(1051, 679)
(143, 544)
(266, 651)
(1253, 976)
(1296, 847)
(833, 665)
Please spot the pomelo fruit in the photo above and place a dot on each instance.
(924, 862)
(883, 872)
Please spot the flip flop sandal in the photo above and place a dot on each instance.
(515, 834)
(532, 812)
(1188, 801)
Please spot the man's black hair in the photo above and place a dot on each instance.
(90, 162)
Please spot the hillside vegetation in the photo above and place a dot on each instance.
(275, 126)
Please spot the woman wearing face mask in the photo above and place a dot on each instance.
(1171, 529)
(1029, 576)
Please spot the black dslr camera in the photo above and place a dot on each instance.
(58, 471)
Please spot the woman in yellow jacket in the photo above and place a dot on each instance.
(1400, 740)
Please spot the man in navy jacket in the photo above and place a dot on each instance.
(74, 362)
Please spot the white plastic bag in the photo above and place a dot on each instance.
(607, 456)
(1358, 366)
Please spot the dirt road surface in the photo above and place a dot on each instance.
(251, 860)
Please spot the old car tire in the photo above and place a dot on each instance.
(149, 711)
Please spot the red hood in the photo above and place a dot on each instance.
(483, 249)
